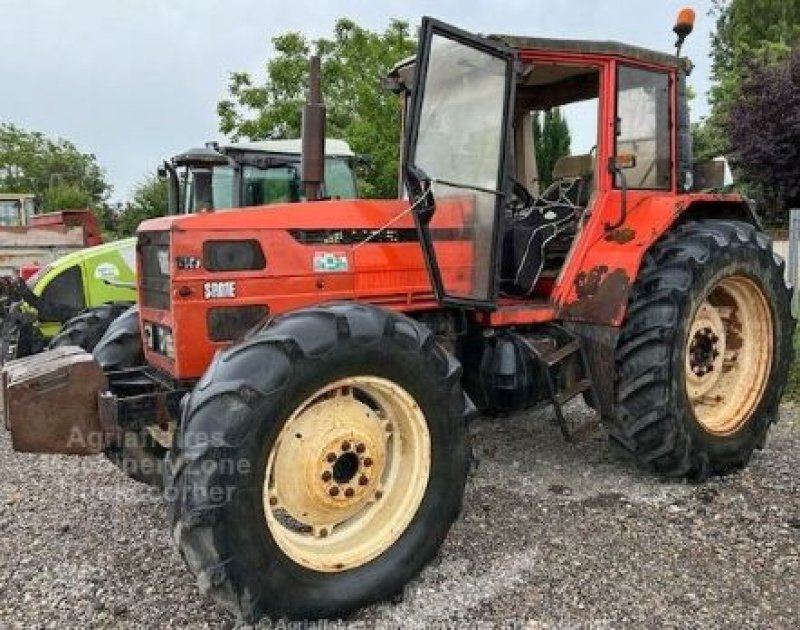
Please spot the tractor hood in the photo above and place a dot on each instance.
(356, 213)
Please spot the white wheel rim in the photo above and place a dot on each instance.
(347, 474)
(728, 355)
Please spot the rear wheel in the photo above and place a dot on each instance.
(704, 352)
(319, 464)
(88, 326)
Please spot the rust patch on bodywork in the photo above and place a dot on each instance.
(621, 235)
(602, 295)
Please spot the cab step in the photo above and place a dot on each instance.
(559, 392)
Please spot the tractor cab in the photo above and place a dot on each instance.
(469, 149)
(235, 175)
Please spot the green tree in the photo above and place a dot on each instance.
(764, 130)
(354, 61)
(747, 32)
(552, 141)
(53, 169)
(149, 200)
(65, 197)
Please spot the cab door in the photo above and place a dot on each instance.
(456, 163)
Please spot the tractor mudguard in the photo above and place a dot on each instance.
(598, 275)
(50, 403)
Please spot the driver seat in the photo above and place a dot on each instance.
(529, 234)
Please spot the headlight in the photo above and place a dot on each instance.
(159, 339)
(163, 260)
(168, 344)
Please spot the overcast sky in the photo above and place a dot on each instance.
(134, 81)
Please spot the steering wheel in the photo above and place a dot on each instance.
(521, 199)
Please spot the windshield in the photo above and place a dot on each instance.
(9, 212)
(278, 183)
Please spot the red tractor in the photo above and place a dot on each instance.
(312, 369)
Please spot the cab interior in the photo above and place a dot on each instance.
(547, 209)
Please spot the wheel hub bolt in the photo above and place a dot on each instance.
(367, 462)
(326, 476)
(345, 445)
(378, 494)
(349, 492)
(362, 480)
(360, 448)
(331, 457)
(334, 491)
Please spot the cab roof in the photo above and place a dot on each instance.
(587, 46)
(403, 69)
(293, 146)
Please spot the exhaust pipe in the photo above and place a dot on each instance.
(314, 135)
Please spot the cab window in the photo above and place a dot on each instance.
(9, 212)
(643, 120)
(277, 184)
(66, 289)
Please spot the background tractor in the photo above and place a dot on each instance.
(311, 368)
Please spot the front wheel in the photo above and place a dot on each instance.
(704, 352)
(88, 326)
(319, 464)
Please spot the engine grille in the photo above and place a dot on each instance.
(153, 251)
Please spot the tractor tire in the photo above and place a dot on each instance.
(138, 453)
(88, 326)
(120, 347)
(297, 430)
(704, 352)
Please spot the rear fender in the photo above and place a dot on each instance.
(603, 264)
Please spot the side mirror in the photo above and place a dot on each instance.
(420, 193)
(620, 162)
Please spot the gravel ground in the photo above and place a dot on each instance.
(552, 535)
